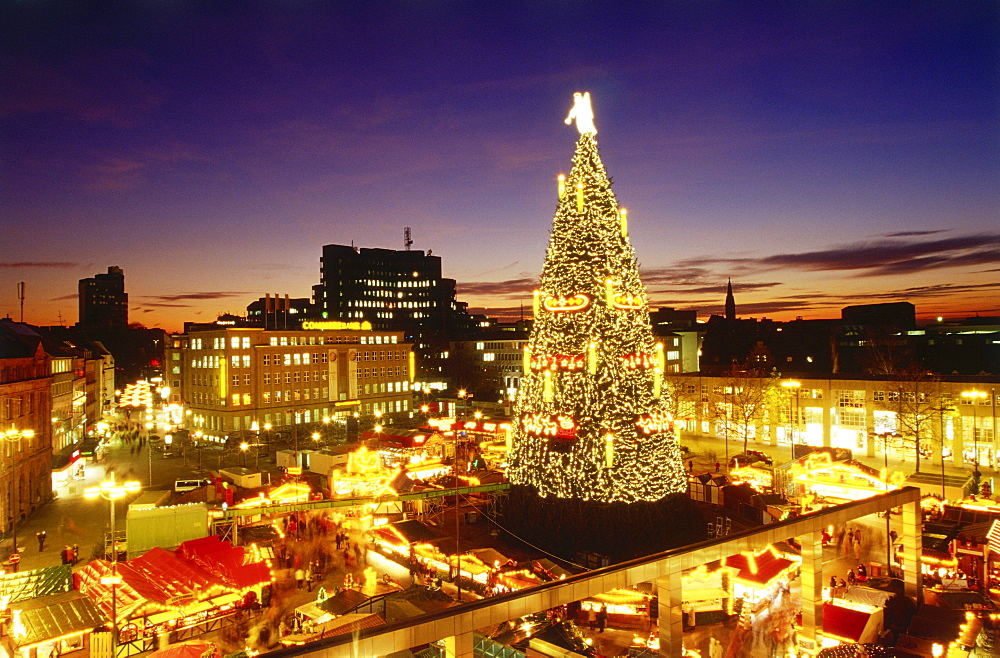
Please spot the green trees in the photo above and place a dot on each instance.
(590, 420)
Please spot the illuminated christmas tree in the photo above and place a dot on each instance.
(590, 421)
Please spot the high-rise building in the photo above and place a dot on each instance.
(103, 300)
(394, 291)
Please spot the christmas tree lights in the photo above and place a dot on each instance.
(590, 421)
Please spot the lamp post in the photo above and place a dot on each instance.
(112, 491)
(14, 436)
(243, 448)
(326, 430)
(267, 436)
(197, 441)
(972, 396)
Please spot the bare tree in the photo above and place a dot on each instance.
(913, 396)
(740, 404)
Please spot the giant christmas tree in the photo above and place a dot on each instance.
(590, 422)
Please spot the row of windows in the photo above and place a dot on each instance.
(391, 355)
(379, 340)
(364, 373)
(281, 397)
(296, 376)
(501, 345)
(296, 359)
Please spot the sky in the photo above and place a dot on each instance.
(818, 153)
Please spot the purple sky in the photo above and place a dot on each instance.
(819, 153)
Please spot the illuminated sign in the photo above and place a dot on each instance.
(565, 362)
(569, 303)
(560, 426)
(337, 326)
(627, 302)
(655, 422)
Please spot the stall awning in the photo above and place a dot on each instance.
(48, 617)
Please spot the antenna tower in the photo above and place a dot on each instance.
(407, 240)
(20, 296)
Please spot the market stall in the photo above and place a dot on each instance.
(51, 625)
(183, 593)
(817, 474)
(757, 576)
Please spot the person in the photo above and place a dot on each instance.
(862, 573)
(300, 577)
(833, 582)
(66, 554)
(309, 579)
(602, 619)
(690, 466)
(850, 577)
(592, 618)
(41, 540)
(76, 553)
(717, 466)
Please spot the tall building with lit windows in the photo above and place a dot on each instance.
(394, 291)
(236, 379)
(103, 300)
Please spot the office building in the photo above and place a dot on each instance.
(103, 300)
(236, 379)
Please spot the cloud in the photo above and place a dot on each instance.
(64, 298)
(879, 257)
(510, 289)
(176, 301)
(37, 264)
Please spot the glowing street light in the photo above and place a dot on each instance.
(111, 491)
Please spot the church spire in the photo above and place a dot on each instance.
(730, 302)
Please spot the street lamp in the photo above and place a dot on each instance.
(197, 441)
(792, 387)
(326, 428)
(243, 448)
(112, 491)
(13, 435)
(972, 396)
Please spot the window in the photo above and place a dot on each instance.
(267, 359)
(246, 380)
(266, 398)
(235, 360)
(246, 360)
(245, 342)
(879, 396)
(236, 399)
(234, 342)
(246, 398)
(267, 378)
(287, 359)
(236, 380)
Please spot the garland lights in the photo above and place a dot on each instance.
(591, 362)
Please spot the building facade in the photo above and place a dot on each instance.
(103, 301)
(953, 415)
(238, 379)
(25, 427)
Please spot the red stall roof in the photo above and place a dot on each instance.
(760, 568)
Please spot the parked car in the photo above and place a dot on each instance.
(751, 457)
(183, 486)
